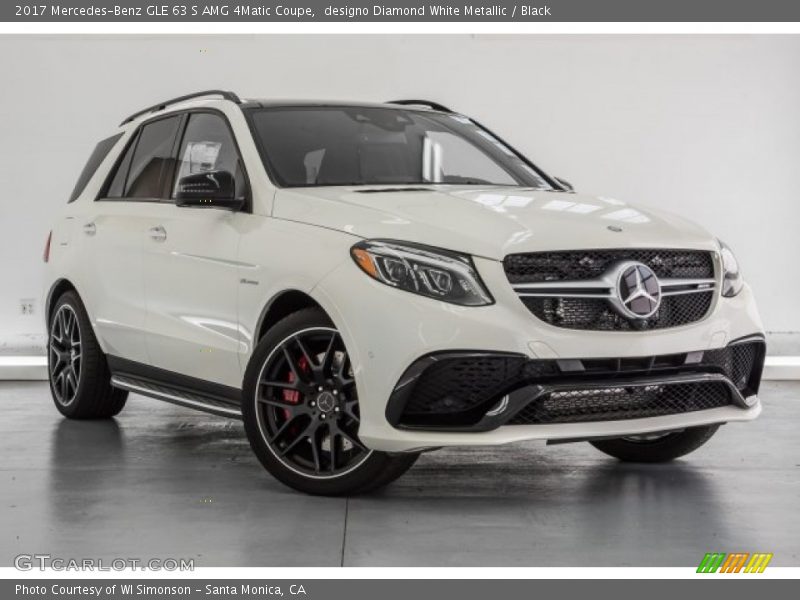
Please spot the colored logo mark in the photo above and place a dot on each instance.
(737, 562)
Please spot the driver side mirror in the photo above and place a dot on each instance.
(210, 189)
(565, 184)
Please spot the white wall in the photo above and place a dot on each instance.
(707, 126)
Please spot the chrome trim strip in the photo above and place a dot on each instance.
(684, 282)
(567, 295)
(586, 283)
(682, 292)
(159, 394)
(217, 261)
(603, 287)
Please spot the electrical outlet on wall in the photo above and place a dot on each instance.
(27, 305)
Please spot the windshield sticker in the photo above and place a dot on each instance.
(201, 156)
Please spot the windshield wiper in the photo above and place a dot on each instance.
(394, 189)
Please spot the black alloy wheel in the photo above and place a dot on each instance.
(80, 380)
(301, 411)
(309, 405)
(65, 355)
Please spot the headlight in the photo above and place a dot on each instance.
(431, 272)
(731, 276)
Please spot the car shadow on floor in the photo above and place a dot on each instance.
(524, 505)
(495, 506)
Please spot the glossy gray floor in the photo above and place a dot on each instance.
(161, 481)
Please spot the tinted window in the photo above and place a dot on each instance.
(208, 145)
(98, 155)
(313, 146)
(116, 188)
(152, 160)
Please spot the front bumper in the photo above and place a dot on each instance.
(406, 441)
(469, 391)
(388, 331)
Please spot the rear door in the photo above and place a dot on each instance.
(112, 235)
(191, 266)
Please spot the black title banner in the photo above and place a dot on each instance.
(398, 589)
(401, 10)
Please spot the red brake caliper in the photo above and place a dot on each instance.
(293, 396)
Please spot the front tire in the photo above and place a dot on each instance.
(656, 448)
(80, 381)
(301, 412)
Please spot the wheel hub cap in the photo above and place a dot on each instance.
(326, 402)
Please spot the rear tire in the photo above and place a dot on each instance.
(669, 446)
(80, 381)
(300, 411)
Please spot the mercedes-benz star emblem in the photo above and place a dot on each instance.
(639, 291)
(326, 401)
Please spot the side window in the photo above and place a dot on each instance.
(147, 164)
(116, 188)
(152, 161)
(100, 152)
(208, 145)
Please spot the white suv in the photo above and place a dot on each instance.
(364, 282)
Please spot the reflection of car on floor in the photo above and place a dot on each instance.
(364, 282)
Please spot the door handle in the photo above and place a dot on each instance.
(157, 234)
(90, 229)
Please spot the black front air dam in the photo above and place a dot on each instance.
(480, 391)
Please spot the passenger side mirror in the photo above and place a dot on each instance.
(565, 184)
(211, 189)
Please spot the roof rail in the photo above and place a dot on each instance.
(162, 105)
(428, 103)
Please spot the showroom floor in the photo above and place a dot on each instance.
(161, 481)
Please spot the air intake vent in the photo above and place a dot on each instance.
(619, 403)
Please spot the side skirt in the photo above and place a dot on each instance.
(175, 388)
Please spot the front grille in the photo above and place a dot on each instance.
(596, 314)
(620, 403)
(585, 309)
(580, 265)
(458, 389)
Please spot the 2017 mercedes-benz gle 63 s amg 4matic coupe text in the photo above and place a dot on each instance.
(361, 283)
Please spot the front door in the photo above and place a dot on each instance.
(191, 270)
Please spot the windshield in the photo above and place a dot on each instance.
(316, 146)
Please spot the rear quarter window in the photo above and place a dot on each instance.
(98, 156)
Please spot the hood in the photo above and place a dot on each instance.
(490, 222)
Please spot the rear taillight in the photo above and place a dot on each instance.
(47, 247)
